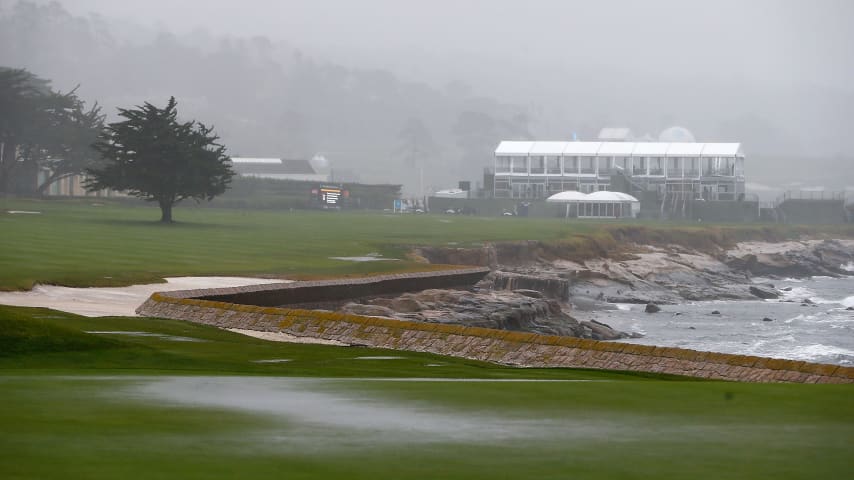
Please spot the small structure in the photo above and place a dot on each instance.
(452, 193)
(601, 204)
(281, 168)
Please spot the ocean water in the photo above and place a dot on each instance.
(821, 332)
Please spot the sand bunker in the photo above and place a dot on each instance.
(116, 301)
(285, 337)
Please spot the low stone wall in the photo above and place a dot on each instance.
(278, 294)
(497, 346)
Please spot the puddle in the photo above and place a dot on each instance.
(23, 212)
(273, 360)
(363, 259)
(337, 410)
(172, 338)
(379, 358)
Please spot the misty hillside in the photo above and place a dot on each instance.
(268, 100)
(403, 114)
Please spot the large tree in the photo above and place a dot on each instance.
(42, 131)
(152, 155)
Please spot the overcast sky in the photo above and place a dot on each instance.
(775, 42)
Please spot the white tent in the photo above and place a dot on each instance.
(567, 197)
(602, 204)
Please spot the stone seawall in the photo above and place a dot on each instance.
(497, 346)
(335, 290)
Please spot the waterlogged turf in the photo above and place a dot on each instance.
(94, 405)
(256, 427)
(106, 244)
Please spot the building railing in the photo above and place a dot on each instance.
(810, 195)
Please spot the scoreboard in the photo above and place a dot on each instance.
(330, 196)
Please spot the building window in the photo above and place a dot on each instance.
(656, 166)
(553, 165)
(692, 168)
(588, 165)
(640, 165)
(604, 165)
(520, 165)
(674, 167)
(502, 165)
(570, 165)
(538, 164)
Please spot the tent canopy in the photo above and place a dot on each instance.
(604, 196)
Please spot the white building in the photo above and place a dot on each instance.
(536, 170)
(315, 170)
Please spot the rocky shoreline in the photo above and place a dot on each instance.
(535, 294)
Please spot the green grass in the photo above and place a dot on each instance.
(93, 242)
(78, 410)
(78, 244)
(71, 407)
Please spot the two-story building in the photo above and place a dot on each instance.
(536, 170)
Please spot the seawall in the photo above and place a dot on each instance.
(498, 346)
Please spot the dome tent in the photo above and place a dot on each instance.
(601, 204)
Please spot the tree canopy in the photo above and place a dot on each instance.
(152, 155)
(42, 130)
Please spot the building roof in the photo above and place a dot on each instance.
(606, 196)
(547, 148)
(278, 166)
(722, 149)
(616, 148)
(685, 149)
(254, 160)
(511, 148)
(636, 149)
(581, 148)
(567, 196)
(603, 196)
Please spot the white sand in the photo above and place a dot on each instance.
(116, 301)
(285, 337)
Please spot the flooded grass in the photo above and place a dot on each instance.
(81, 405)
(256, 427)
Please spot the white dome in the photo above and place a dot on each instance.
(320, 163)
(606, 196)
(676, 135)
(567, 196)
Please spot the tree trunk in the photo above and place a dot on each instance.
(165, 211)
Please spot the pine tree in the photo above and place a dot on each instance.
(151, 155)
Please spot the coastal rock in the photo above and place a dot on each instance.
(601, 331)
(716, 312)
(766, 319)
(792, 259)
(763, 294)
(368, 310)
(504, 310)
(651, 308)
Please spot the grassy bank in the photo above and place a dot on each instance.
(83, 243)
(83, 405)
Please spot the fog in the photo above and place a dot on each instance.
(363, 82)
